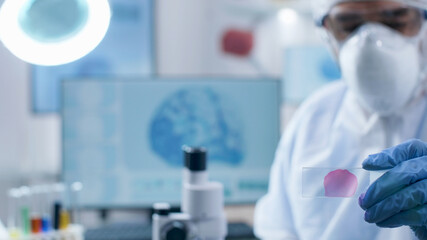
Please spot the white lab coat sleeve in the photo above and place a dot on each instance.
(273, 215)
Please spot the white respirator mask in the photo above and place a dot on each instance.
(381, 67)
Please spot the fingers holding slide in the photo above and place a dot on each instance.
(408, 198)
(393, 156)
(395, 180)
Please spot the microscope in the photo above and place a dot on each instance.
(202, 205)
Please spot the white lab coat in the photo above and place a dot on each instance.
(330, 131)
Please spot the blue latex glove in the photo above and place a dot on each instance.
(399, 197)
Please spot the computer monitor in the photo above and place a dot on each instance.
(122, 138)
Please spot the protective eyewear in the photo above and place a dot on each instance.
(342, 22)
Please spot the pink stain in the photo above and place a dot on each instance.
(340, 183)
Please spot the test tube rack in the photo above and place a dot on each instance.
(37, 213)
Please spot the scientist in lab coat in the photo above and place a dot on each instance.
(381, 103)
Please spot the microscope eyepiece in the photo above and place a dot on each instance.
(195, 158)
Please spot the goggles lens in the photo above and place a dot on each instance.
(344, 19)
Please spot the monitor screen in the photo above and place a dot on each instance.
(126, 50)
(123, 138)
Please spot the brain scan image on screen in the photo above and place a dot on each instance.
(198, 116)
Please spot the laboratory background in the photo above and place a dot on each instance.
(113, 121)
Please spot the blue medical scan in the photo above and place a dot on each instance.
(197, 117)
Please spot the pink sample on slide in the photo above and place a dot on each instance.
(340, 183)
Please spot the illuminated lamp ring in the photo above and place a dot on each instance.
(53, 53)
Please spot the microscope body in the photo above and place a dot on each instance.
(202, 206)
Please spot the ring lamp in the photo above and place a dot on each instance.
(53, 32)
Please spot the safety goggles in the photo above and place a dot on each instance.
(344, 19)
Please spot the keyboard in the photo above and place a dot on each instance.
(137, 231)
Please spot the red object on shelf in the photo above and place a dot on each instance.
(237, 42)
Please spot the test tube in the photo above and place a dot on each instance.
(13, 224)
(13, 196)
(57, 208)
(36, 201)
(57, 194)
(25, 209)
(64, 219)
(45, 204)
(76, 188)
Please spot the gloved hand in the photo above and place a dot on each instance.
(399, 197)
